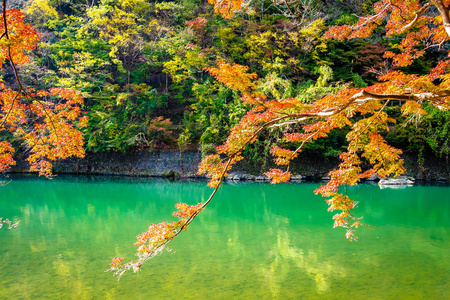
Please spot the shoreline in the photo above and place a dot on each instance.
(309, 167)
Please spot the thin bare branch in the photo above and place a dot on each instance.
(419, 13)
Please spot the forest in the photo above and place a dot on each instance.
(142, 69)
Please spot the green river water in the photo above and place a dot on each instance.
(254, 241)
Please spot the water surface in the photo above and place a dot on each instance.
(253, 241)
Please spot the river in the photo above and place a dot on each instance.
(254, 241)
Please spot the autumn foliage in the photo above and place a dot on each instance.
(46, 122)
(226, 8)
(153, 241)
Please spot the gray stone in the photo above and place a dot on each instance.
(261, 178)
(296, 178)
(233, 176)
(248, 177)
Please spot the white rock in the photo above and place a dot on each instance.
(403, 181)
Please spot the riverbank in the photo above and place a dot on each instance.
(309, 166)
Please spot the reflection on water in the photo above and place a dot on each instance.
(253, 241)
(285, 256)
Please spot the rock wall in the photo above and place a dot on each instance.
(173, 164)
(156, 163)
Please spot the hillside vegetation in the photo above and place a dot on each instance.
(141, 69)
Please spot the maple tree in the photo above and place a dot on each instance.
(362, 110)
(46, 122)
